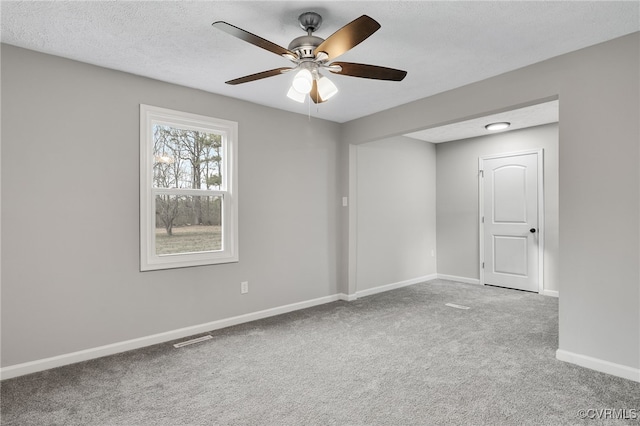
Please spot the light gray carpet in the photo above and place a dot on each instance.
(395, 358)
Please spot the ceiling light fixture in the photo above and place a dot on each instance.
(326, 88)
(295, 95)
(303, 81)
(309, 81)
(497, 126)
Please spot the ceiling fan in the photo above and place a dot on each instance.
(311, 54)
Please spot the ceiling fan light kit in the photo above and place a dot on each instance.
(310, 54)
(303, 81)
(326, 88)
(295, 95)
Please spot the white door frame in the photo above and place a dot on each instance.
(541, 227)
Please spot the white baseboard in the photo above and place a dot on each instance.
(459, 279)
(600, 365)
(348, 297)
(114, 348)
(550, 293)
(393, 286)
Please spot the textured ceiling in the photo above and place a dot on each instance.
(442, 44)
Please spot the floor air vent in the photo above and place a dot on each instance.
(453, 305)
(192, 341)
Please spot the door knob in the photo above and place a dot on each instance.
(532, 230)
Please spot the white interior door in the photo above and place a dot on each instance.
(510, 222)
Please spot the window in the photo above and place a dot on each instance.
(188, 189)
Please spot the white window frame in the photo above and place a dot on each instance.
(149, 260)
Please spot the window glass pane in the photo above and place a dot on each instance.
(188, 224)
(186, 158)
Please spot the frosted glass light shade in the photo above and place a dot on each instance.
(295, 95)
(303, 81)
(497, 126)
(326, 88)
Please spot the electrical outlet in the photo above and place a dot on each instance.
(244, 287)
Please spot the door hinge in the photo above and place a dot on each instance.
(482, 265)
(482, 219)
(481, 173)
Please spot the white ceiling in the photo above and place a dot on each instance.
(442, 44)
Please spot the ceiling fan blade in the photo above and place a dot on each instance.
(369, 71)
(253, 39)
(314, 95)
(258, 76)
(348, 37)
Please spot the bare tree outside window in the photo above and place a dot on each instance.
(187, 159)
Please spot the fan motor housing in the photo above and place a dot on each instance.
(304, 46)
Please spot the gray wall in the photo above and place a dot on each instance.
(396, 212)
(599, 155)
(70, 277)
(70, 232)
(457, 198)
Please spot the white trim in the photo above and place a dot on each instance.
(459, 279)
(149, 260)
(550, 293)
(348, 297)
(114, 348)
(352, 261)
(600, 365)
(541, 227)
(127, 345)
(393, 286)
(480, 221)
